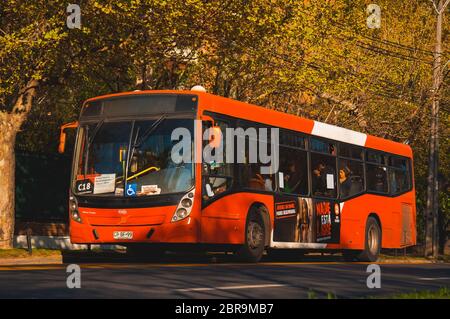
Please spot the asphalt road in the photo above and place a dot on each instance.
(218, 278)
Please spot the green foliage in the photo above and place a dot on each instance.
(442, 293)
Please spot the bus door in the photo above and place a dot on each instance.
(327, 219)
(293, 219)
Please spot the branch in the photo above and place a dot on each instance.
(351, 107)
(25, 99)
(441, 10)
(435, 7)
(444, 6)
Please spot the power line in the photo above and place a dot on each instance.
(384, 41)
(386, 52)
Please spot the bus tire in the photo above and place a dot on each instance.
(372, 242)
(253, 247)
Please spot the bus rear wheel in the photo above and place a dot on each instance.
(253, 248)
(372, 244)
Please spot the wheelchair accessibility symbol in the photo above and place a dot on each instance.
(131, 189)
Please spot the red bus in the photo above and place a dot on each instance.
(332, 188)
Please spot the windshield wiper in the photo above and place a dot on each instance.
(137, 143)
(89, 140)
(94, 133)
(149, 131)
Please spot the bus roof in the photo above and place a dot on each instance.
(250, 112)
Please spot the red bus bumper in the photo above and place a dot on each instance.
(147, 225)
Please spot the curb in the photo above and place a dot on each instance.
(53, 260)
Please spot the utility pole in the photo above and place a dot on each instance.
(432, 211)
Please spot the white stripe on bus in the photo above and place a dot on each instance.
(338, 133)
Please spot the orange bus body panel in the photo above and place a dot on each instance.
(223, 222)
(389, 211)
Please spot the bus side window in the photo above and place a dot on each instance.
(399, 175)
(250, 175)
(322, 146)
(351, 177)
(218, 176)
(293, 172)
(377, 180)
(323, 175)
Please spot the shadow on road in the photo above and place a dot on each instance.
(179, 257)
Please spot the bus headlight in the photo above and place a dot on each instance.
(181, 213)
(186, 202)
(73, 208)
(184, 207)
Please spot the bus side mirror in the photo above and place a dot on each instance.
(62, 142)
(62, 136)
(215, 133)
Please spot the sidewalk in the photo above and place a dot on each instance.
(32, 260)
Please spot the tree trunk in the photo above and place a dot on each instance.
(432, 211)
(9, 125)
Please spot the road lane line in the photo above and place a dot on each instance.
(230, 287)
(435, 278)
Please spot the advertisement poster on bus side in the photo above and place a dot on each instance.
(293, 219)
(327, 221)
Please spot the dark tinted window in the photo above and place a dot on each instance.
(376, 178)
(323, 175)
(375, 157)
(398, 162)
(351, 177)
(292, 139)
(351, 151)
(293, 172)
(323, 146)
(92, 109)
(142, 105)
(218, 176)
(399, 175)
(251, 143)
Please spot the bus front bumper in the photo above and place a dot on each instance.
(183, 231)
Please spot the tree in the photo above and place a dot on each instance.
(29, 36)
(432, 230)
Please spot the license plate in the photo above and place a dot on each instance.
(123, 235)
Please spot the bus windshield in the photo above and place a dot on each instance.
(132, 158)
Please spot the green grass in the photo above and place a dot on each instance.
(442, 293)
(23, 253)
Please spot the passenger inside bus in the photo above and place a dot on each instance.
(294, 181)
(257, 180)
(318, 179)
(345, 181)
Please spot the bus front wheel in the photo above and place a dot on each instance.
(372, 244)
(253, 247)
